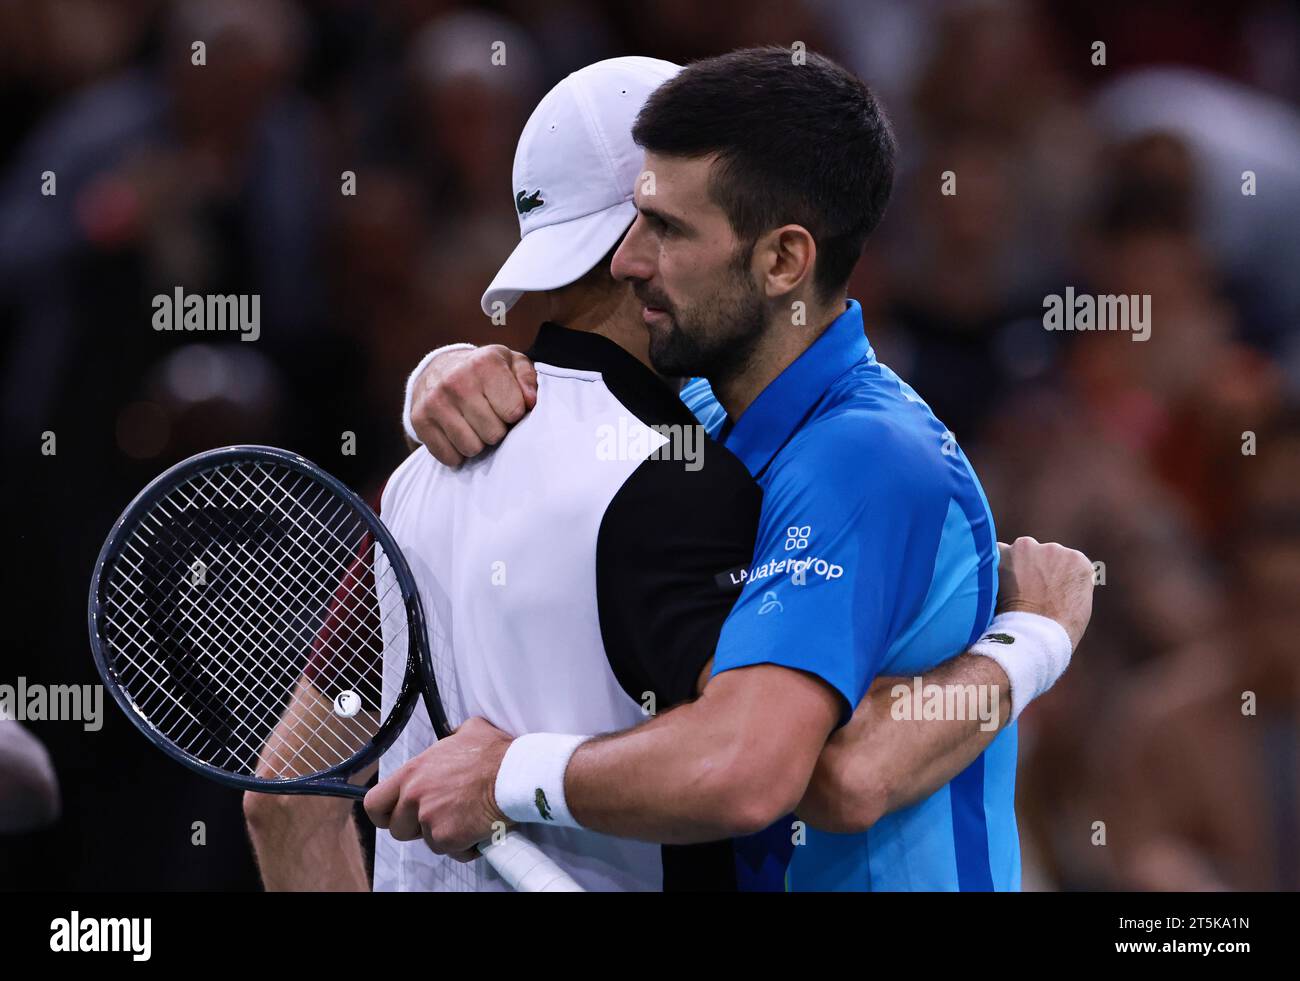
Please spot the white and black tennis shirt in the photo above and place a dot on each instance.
(572, 577)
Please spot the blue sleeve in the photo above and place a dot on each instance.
(846, 549)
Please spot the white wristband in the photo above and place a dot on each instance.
(530, 783)
(1033, 650)
(410, 384)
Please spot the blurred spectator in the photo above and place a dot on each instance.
(1229, 131)
(1205, 793)
(29, 791)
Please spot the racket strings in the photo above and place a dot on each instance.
(311, 549)
(308, 707)
(246, 619)
(231, 626)
(222, 686)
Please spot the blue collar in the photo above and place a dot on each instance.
(789, 398)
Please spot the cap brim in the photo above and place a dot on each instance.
(556, 255)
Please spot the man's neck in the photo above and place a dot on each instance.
(780, 346)
(613, 314)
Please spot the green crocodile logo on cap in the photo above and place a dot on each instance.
(526, 202)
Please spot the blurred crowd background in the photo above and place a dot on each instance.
(1139, 771)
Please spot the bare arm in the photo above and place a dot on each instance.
(879, 762)
(304, 843)
(876, 764)
(713, 768)
(29, 791)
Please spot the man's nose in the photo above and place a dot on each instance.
(632, 259)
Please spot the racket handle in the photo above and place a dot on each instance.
(525, 867)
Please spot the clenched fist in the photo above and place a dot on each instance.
(1048, 579)
(466, 400)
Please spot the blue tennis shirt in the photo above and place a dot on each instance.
(876, 555)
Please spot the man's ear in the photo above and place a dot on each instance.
(785, 257)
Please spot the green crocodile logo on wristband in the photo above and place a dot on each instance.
(999, 638)
(543, 806)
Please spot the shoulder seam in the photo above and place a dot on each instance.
(577, 374)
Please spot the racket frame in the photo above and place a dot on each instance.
(417, 682)
(520, 862)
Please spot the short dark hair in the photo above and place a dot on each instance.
(806, 144)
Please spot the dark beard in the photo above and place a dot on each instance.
(714, 339)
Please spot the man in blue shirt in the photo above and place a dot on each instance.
(875, 555)
(876, 549)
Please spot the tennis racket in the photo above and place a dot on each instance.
(241, 613)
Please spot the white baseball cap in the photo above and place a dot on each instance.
(575, 170)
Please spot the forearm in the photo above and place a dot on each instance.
(714, 768)
(658, 782)
(889, 755)
(918, 757)
(306, 844)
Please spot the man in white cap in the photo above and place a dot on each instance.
(582, 571)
